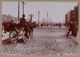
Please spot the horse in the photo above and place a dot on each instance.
(28, 28)
(31, 26)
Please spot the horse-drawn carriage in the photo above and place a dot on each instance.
(16, 31)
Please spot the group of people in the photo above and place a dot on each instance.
(73, 28)
(23, 29)
(11, 26)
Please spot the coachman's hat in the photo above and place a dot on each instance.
(23, 15)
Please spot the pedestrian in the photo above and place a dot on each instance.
(71, 28)
(59, 25)
(75, 29)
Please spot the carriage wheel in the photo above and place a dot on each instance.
(13, 40)
(31, 35)
(25, 39)
(13, 37)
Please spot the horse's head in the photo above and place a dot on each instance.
(34, 24)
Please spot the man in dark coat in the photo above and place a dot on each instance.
(22, 20)
(71, 28)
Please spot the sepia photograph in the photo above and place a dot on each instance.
(40, 28)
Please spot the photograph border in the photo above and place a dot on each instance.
(77, 38)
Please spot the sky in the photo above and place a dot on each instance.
(56, 10)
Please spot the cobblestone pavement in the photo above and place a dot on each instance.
(46, 41)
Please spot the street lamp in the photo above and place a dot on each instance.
(18, 10)
(23, 6)
(47, 17)
(38, 17)
(31, 15)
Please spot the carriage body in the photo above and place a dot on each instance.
(17, 32)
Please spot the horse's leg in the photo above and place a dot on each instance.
(26, 34)
(31, 34)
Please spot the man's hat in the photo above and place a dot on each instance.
(23, 15)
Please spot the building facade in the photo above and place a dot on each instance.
(72, 15)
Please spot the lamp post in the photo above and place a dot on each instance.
(18, 10)
(23, 7)
(38, 17)
(47, 17)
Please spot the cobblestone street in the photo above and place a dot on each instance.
(46, 41)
